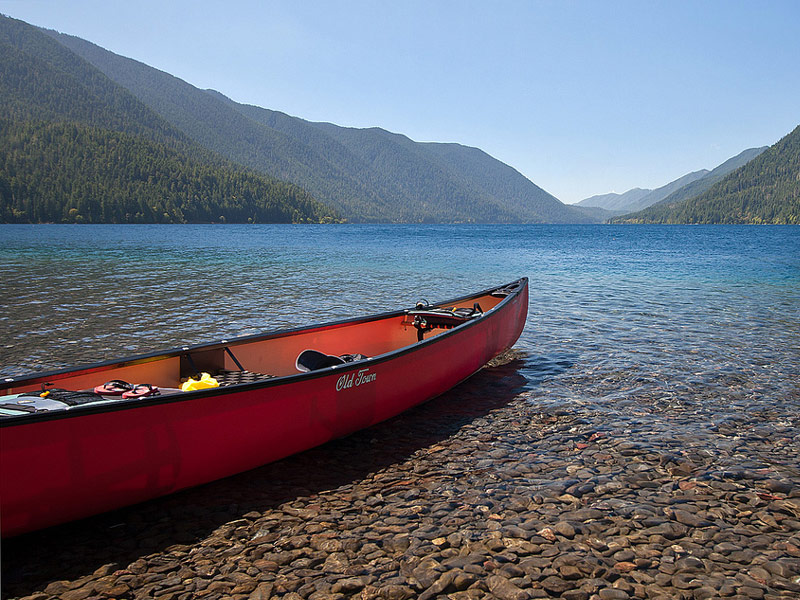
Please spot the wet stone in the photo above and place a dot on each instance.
(575, 595)
(704, 592)
(503, 589)
(613, 594)
(756, 593)
(565, 529)
(570, 572)
(348, 585)
(556, 585)
(439, 586)
(689, 563)
(780, 487)
(336, 563)
(396, 592)
(688, 518)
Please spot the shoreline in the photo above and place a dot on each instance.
(487, 492)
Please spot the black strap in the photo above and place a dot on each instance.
(234, 359)
(191, 364)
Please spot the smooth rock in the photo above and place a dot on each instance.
(503, 589)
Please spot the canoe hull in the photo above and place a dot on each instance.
(62, 469)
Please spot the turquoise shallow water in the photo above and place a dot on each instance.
(640, 312)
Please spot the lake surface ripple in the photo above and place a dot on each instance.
(626, 320)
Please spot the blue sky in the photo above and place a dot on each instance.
(583, 98)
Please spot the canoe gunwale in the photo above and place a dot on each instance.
(519, 286)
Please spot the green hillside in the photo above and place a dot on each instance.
(764, 190)
(368, 175)
(467, 178)
(43, 81)
(684, 188)
(50, 172)
(699, 186)
(658, 194)
(78, 147)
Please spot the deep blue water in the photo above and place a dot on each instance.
(661, 310)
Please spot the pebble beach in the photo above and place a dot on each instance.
(495, 490)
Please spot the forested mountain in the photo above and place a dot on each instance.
(368, 175)
(764, 190)
(699, 186)
(683, 188)
(409, 171)
(634, 199)
(43, 81)
(49, 171)
(77, 147)
(658, 194)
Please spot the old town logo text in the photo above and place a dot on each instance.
(349, 380)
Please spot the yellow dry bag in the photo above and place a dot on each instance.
(205, 381)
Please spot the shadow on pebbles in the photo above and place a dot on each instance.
(490, 491)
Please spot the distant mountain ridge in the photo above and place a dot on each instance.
(614, 201)
(638, 198)
(683, 188)
(765, 189)
(367, 175)
(658, 194)
(697, 187)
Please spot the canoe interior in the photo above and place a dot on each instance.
(272, 355)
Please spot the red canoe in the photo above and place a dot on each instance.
(65, 455)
